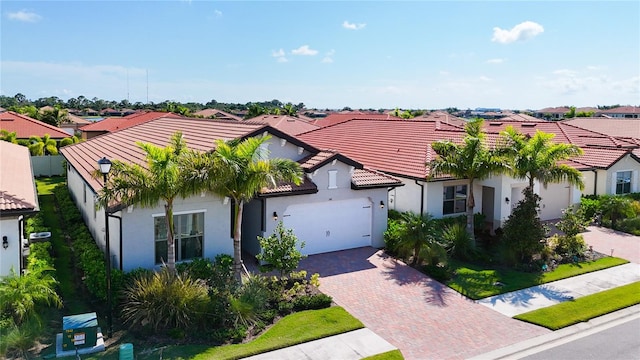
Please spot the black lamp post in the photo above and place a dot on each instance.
(105, 167)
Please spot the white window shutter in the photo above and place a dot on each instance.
(614, 178)
(634, 181)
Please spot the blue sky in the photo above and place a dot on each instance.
(329, 54)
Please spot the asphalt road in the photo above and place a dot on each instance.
(621, 342)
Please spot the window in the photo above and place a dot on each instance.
(333, 176)
(189, 231)
(454, 199)
(623, 182)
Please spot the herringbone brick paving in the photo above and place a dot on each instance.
(420, 316)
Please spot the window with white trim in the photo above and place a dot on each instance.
(623, 182)
(454, 199)
(188, 235)
(333, 179)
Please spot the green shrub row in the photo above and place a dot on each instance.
(89, 257)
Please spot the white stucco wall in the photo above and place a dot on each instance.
(10, 257)
(627, 163)
(138, 230)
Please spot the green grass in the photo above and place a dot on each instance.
(390, 355)
(584, 308)
(46, 185)
(477, 282)
(294, 329)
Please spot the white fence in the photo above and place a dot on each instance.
(49, 165)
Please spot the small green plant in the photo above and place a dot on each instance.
(573, 221)
(567, 246)
(458, 242)
(280, 250)
(523, 230)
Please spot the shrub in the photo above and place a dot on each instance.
(312, 302)
(250, 300)
(440, 273)
(568, 246)
(458, 242)
(631, 226)
(573, 221)
(280, 250)
(392, 235)
(523, 230)
(165, 301)
(590, 206)
(197, 268)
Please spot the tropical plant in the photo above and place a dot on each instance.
(22, 294)
(538, 158)
(289, 109)
(55, 116)
(69, 141)
(250, 301)
(419, 240)
(280, 250)
(16, 340)
(45, 145)
(255, 110)
(240, 169)
(471, 160)
(615, 208)
(523, 231)
(568, 246)
(573, 221)
(458, 242)
(162, 180)
(8, 136)
(165, 300)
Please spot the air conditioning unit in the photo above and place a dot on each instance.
(39, 237)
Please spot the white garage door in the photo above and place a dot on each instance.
(331, 225)
(555, 198)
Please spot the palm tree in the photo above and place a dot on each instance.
(419, 239)
(240, 169)
(255, 110)
(8, 136)
(289, 109)
(537, 158)
(162, 180)
(45, 145)
(20, 295)
(54, 117)
(472, 160)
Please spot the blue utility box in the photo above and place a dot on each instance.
(79, 330)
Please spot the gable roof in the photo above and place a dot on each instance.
(219, 114)
(520, 117)
(337, 118)
(24, 126)
(288, 124)
(404, 147)
(621, 110)
(613, 127)
(17, 187)
(111, 124)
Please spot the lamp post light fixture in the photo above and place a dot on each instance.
(105, 167)
(5, 242)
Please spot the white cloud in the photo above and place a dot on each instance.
(304, 50)
(521, 32)
(328, 57)
(279, 55)
(25, 16)
(282, 59)
(349, 26)
(217, 13)
(485, 79)
(495, 61)
(565, 72)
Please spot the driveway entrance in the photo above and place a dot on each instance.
(420, 316)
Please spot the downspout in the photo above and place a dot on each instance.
(421, 196)
(20, 234)
(595, 182)
(120, 235)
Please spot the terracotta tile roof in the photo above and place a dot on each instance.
(369, 178)
(323, 157)
(609, 126)
(404, 147)
(24, 126)
(199, 134)
(74, 119)
(112, 124)
(288, 124)
(219, 114)
(288, 188)
(621, 110)
(17, 187)
(443, 117)
(554, 110)
(520, 117)
(337, 118)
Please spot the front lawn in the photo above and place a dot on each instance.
(293, 329)
(390, 355)
(478, 282)
(584, 308)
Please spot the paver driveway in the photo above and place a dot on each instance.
(423, 318)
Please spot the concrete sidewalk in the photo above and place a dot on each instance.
(521, 301)
(353, 345)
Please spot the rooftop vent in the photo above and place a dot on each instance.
(494, 123)
(529, 124)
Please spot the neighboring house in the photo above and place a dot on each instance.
(443, 117)
(217, 114)
(520, 117)
(25, 127)
(340, 205)
(336, 118)
(552, 113)
(623, 112)
(287, 124)
(112, 124)
(18, 200)
(73, 124)
(618, 127)
(403, 149)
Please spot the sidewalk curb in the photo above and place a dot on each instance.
(559, 337)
